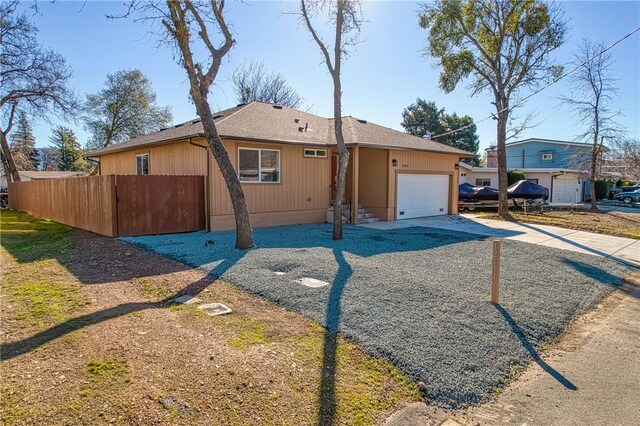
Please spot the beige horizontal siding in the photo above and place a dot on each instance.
(304, 183)
(179, 158)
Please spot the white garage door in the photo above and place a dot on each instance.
(422, 195)
(566, 189)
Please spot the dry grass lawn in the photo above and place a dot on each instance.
(618, 224)
(88, 338)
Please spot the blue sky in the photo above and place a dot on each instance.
(386, 72)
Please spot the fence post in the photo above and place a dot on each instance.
(113, 184)
(495, 272)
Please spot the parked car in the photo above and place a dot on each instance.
(613, 194)
(629, 197)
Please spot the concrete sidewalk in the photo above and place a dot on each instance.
(624, 250)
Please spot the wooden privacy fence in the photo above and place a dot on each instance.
(116, 206)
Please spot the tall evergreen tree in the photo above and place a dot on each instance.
(23, 145)
(424, 119)
(70, 156)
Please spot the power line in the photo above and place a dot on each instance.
(574, 69)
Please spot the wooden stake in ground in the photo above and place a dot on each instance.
(495, 272)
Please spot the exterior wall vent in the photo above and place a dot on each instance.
(277, 106)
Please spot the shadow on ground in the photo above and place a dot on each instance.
(417, 296)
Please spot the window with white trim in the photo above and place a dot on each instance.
(547, 156)
(317, 153)
(259, 165)
(483, 182)
(142, 164)
(533, 180)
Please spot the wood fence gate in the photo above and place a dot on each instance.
(116, 206)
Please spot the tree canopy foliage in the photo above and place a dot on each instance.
(424, 119)
(253, 82)
(124, 109)
(66, 150)
(33, 79)
(500, 46)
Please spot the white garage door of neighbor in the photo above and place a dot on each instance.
(566, 189)
(421, 195)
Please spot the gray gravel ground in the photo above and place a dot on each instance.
(417, 296)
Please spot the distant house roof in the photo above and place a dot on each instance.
(551, 141)
(477, 169)
(41, 175)
(262, 121)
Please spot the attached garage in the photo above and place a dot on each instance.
(566, 189)
(421, 195)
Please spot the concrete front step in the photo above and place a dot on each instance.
(369, 220)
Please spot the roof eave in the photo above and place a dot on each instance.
(461, 154)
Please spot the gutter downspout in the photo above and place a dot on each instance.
(206, 187)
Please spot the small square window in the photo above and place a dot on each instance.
(483, 182)
(142, 164)
(547, 156)
(317, 153)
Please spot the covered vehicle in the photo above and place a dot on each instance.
(526, 190)
(465, 190)
(468, 192)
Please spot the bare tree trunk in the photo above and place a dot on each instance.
(200, 83)
(343, 158)
(10, 169)
(341, 183)
(503, 182)
(244, 236)
(334, 69)
(593, 168)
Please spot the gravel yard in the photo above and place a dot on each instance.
(417, 296)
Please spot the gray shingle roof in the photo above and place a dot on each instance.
(269, 122)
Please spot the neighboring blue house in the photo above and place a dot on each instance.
(560, 166)
(547, 154)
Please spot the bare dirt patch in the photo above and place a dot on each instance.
(113, 351)
(618, 224)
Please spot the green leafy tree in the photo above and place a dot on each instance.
(69, 153)
(463, 132)
(424, 119)
(125, 109)
(23, 145)
(502, 47)
(514, 176)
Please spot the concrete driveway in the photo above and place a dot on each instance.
(623, 250)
